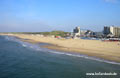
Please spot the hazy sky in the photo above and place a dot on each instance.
(47, 15)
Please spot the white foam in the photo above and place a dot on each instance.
(56, 52)
(36, 47)
(85, 56)
(24, 45)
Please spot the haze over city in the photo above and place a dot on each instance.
(48, 15)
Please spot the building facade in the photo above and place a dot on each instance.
(113, 31)
(82, 33)
(116, 31)
(76, 32)
(106, 30)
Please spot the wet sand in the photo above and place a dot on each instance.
(104, 50)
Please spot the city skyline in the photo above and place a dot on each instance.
(48, 15)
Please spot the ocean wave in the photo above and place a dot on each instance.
(85, 56)
(38, 48)
(24, 45)
(9, 38)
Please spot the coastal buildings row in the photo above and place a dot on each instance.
(108, 31)
(111, 31)
(77, 32)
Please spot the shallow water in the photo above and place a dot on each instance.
(24, 60)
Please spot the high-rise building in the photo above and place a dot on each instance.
(107, 30)
(115, 31)
(76, 32)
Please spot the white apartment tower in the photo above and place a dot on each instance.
(76, 32)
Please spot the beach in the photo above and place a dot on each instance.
(104, 50)
(21, 59)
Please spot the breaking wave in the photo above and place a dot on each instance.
(38, 48)
(85, 56)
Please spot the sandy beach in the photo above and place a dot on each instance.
(104, 50)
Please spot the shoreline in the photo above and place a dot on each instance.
(85, 51)
(57, 48)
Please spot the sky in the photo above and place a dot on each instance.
(65, 15)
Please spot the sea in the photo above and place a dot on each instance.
(20, 59)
